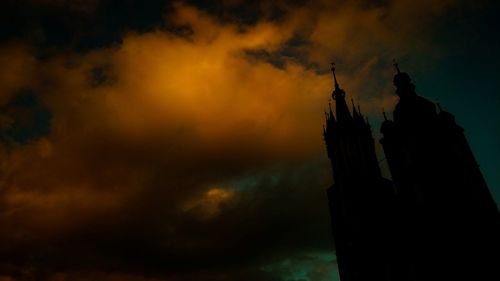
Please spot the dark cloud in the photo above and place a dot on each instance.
(80, 25)
(24, 119)
(146, 174)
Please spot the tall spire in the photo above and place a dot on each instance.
(338, 95)
(334, 76)
(337, 90)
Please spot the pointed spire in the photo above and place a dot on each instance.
(337, 90)
(338, 95)
(334, 76)
(385, 116)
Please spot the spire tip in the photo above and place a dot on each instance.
(334, 76)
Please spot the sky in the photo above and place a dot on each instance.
(164, 141)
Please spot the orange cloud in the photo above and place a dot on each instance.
(210, 204)
(158, 127)
(165, 107)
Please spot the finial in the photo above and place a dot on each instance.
(352, 101)
(385, 116)
(396, 65)
(334, 76)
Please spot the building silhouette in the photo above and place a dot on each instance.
(436, 219)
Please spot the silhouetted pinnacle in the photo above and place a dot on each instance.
(334, 76)
(337, 90)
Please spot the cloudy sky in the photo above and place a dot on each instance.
(158, 140)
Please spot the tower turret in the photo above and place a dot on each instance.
(338, 94)
(412, 109)
(443, 198)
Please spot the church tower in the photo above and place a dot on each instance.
(436, 220)
(360, 199)
(449, 221)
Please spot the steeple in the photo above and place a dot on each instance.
(336, 83)
(440, 193)
(343, 114)
(359, 198)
